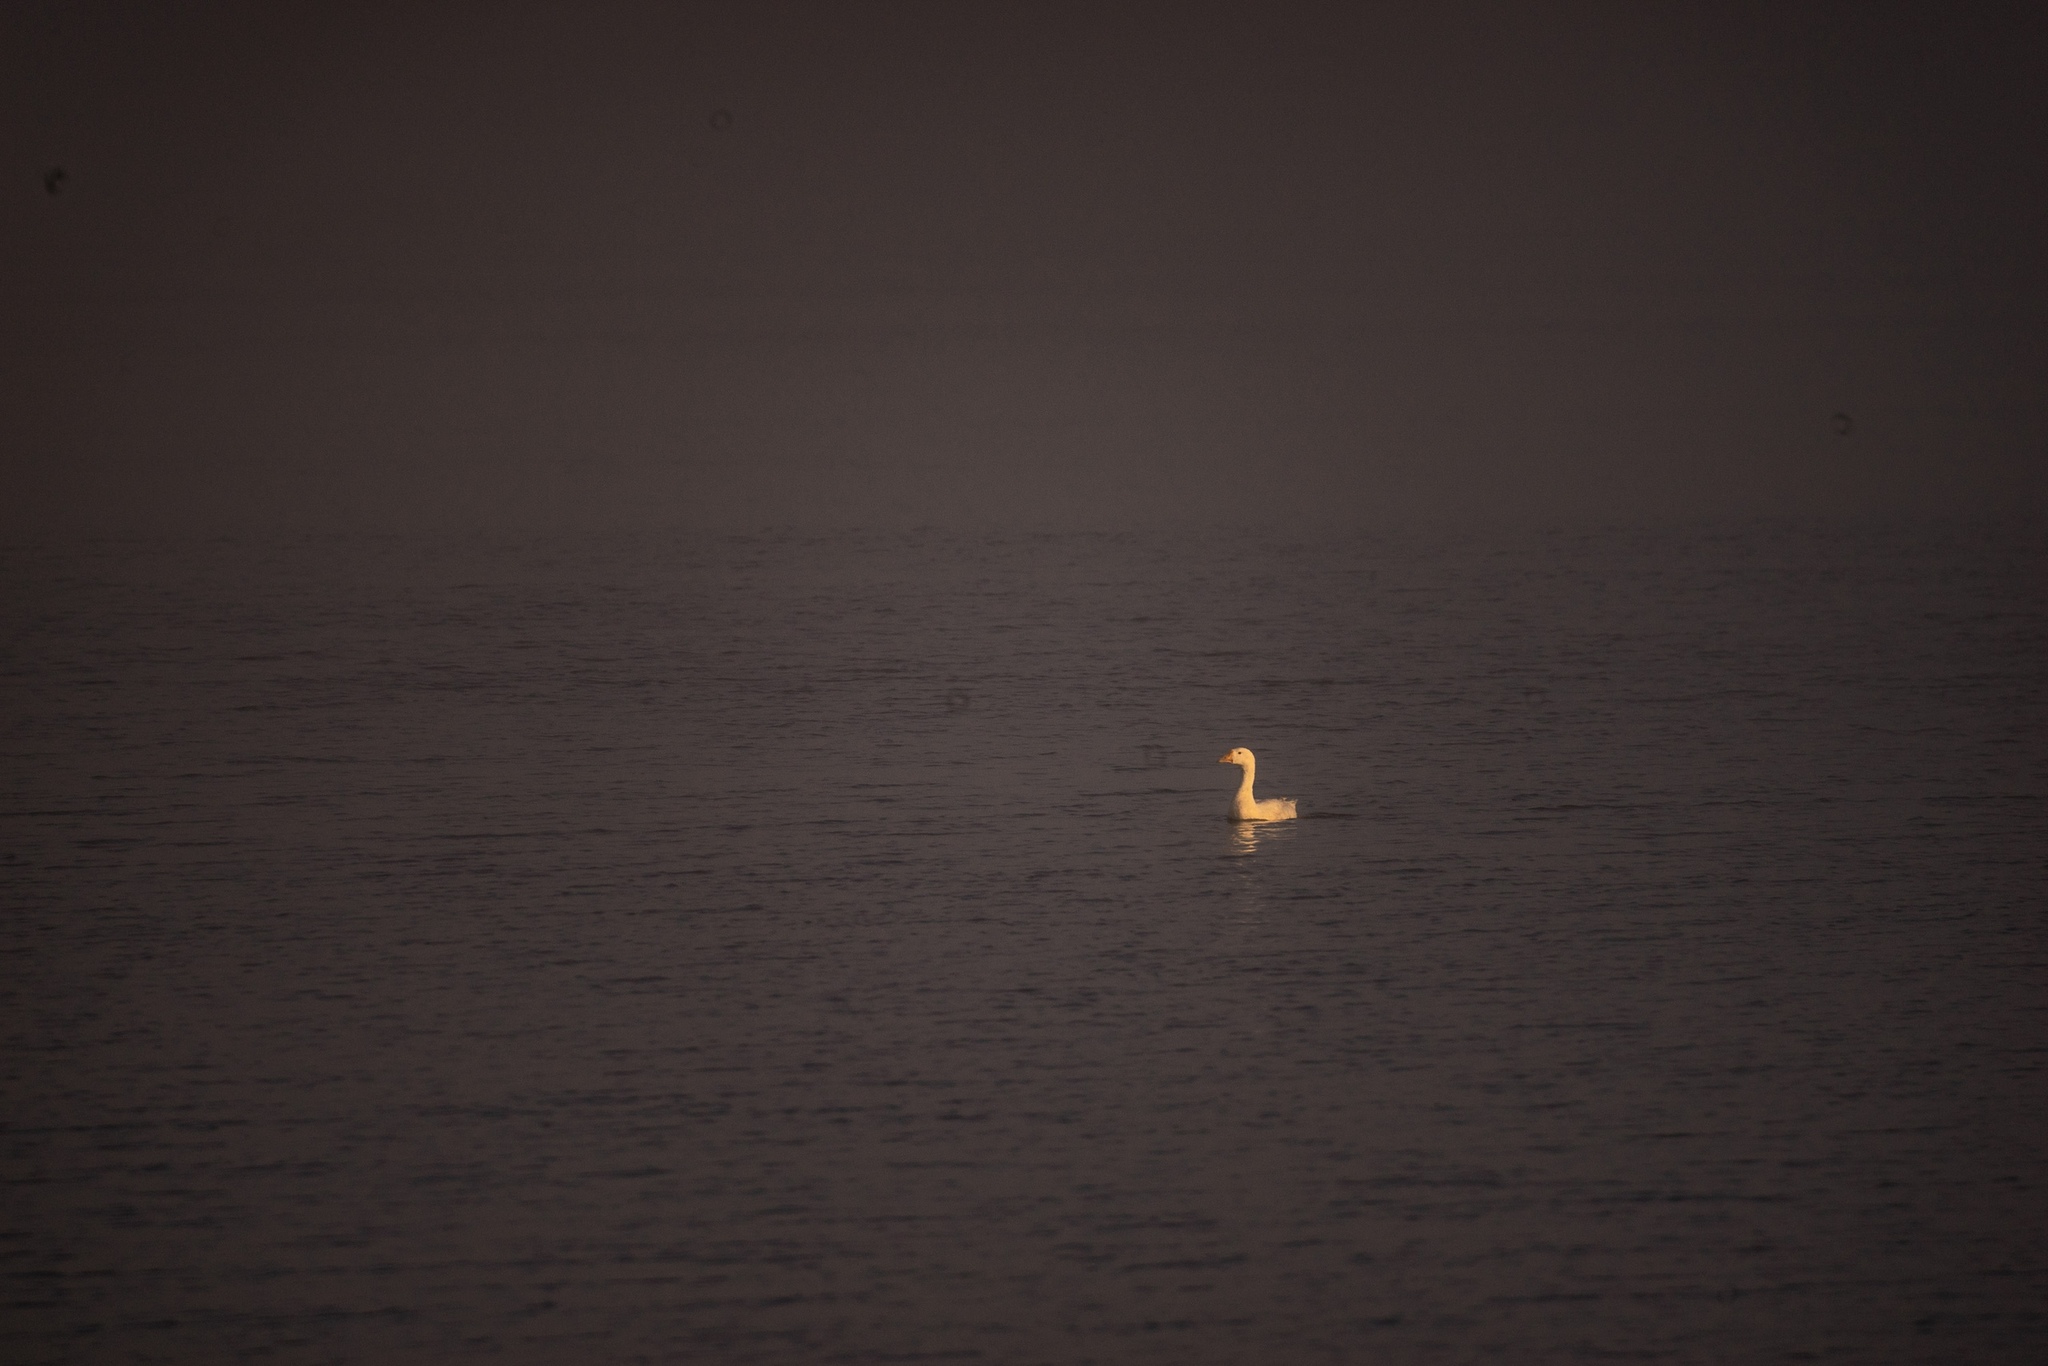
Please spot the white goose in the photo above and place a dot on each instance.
(1246, 807)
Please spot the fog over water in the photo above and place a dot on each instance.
(618, 621)
(522, 266)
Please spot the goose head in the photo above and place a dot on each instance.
(1239, 756)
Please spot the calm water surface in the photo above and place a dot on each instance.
(830, 949)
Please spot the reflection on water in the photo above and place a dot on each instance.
(1254, 879)
(1247, 836)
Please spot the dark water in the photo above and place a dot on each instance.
(830, 949)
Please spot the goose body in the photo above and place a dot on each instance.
(1245, 806)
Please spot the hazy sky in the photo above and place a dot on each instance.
(420, 264)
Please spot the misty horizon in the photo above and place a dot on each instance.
(1047, 267)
